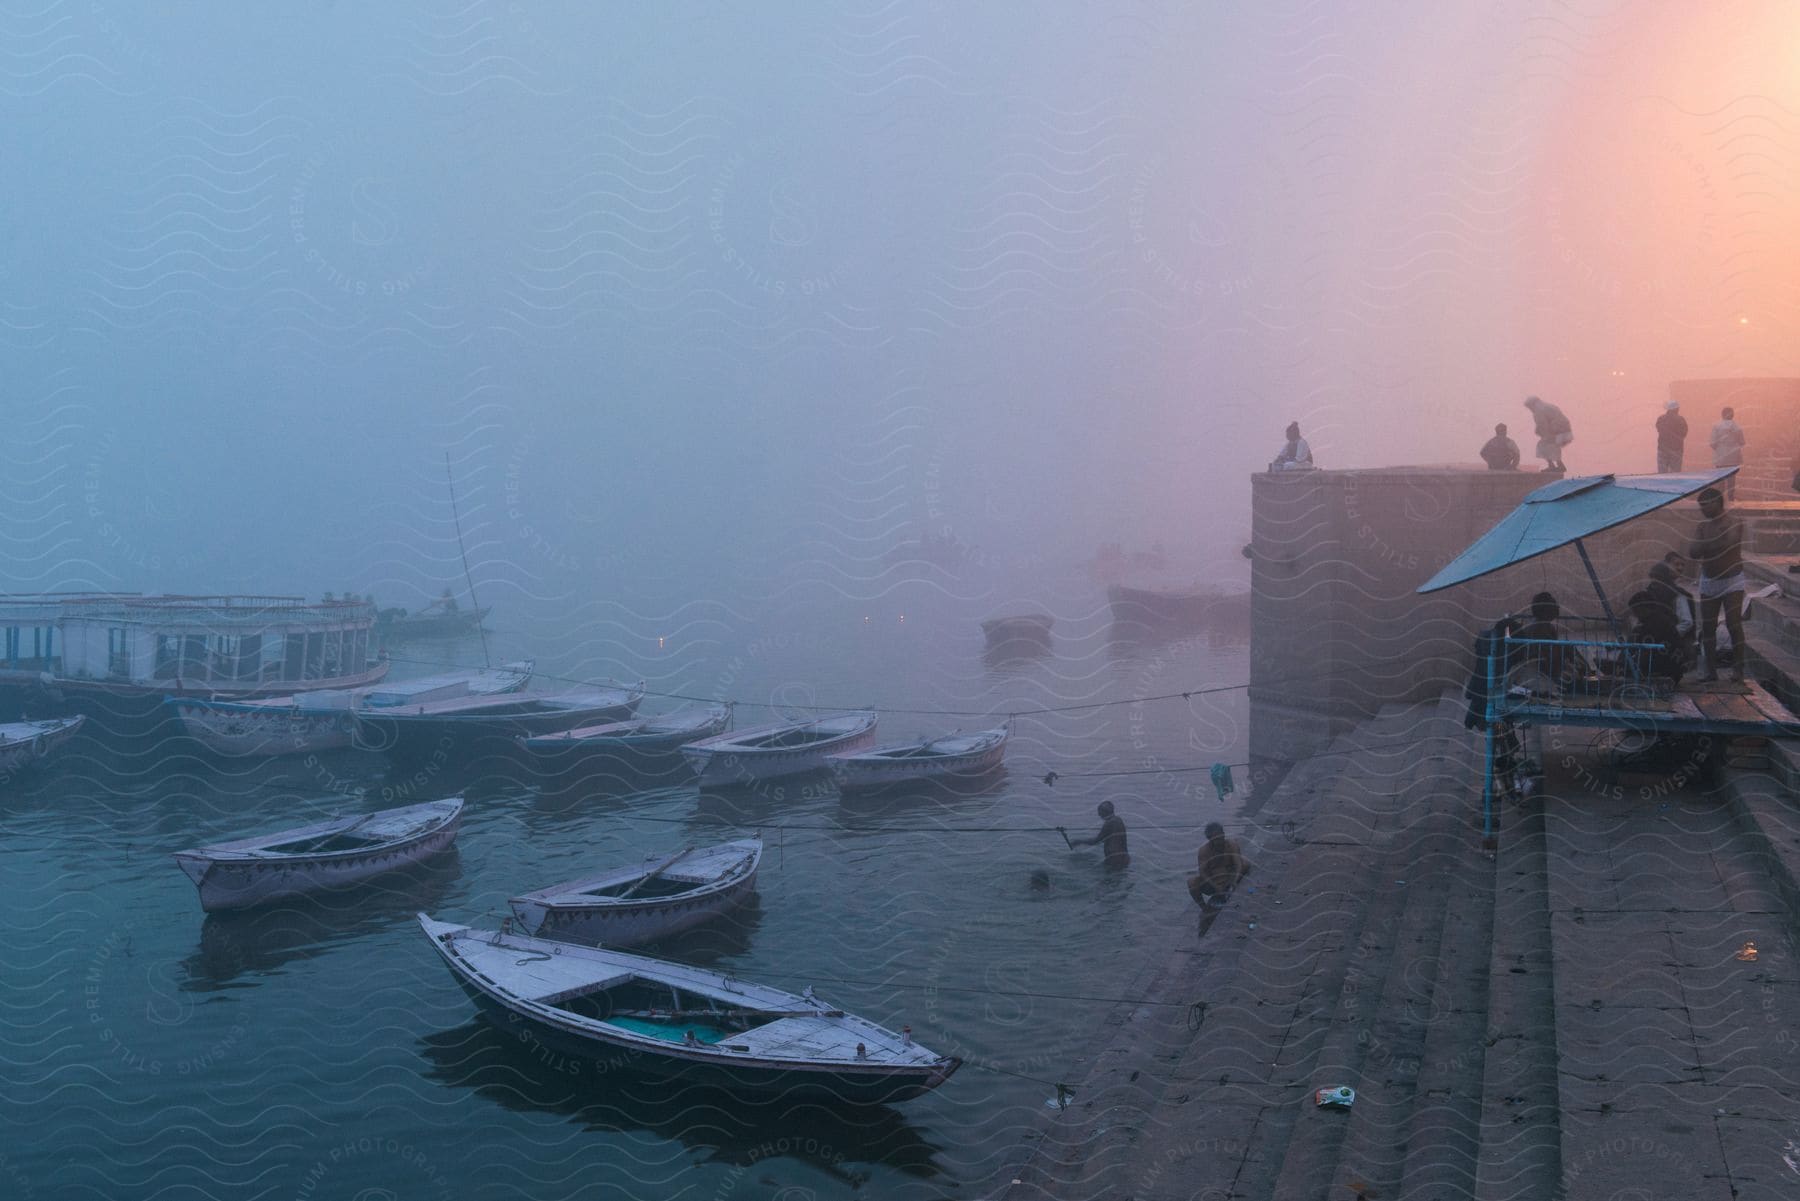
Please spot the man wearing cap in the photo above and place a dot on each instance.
(1671, 437)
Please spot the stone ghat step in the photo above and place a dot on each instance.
(1092, 1147)
(1674, 1074)
(1218, 1113)
(1519, 1137)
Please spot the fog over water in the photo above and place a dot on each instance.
(695, 292)
(707, 312)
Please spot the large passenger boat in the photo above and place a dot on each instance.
(128, 651)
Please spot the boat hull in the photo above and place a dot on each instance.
(401, 732)
(239, 884)
(236, 733)
(21, 756)
(728, 769)
(649, 744)
(865, 776)
(634, 925)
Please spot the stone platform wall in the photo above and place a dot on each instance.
(1337, 629)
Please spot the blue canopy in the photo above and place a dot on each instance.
(1566, 511)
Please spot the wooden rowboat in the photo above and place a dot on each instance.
(952, 757)
(639, 736)
(463, 720)
(326, 719)
(324, 855)
(644, 902)
(779, 749)
(687, 1023)
(24, 744)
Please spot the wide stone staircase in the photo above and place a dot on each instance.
(1571, 1015)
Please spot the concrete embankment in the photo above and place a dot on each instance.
(1608, 1006)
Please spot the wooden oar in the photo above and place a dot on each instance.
(658, 870)
(682, 1014)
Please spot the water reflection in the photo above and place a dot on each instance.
(257, 942)
(734, 1129)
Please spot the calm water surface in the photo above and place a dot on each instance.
(321, 1050)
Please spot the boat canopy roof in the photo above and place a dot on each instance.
(1564, 512)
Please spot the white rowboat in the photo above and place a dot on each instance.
(324, 855)
(659, 897)
(23, 744)
(326, 719)
(779, 749)
(671, 1020)
(517, 715)
(639, 736)
(955, 756)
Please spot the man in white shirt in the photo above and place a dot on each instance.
(1728, 447)
(1296, 455)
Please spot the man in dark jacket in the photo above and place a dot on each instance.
(1501, 453)
(1671, 437)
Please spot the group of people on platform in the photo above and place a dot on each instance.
(1553, 430)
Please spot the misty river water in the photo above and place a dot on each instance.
(320, 1050)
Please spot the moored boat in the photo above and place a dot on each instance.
(644, 902)
(639, 736)
(1173, 609)
(687, 1023)
(779, 749)
(462, 720)
(951, 757)
(125, 652)
(320, 856)
(24, 744)
(1018, 636)
(326, 718)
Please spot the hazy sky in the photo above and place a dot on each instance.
(687, 287)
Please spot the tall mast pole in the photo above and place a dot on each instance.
(467, 574)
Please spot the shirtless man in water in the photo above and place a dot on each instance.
(1111, 838)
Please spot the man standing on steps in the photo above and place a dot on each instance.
(1671, 437)
(1718, 552)
(1110, 839)
(1222, 865)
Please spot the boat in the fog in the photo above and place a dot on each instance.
(319, 856)
(647, 901)
(127, 651)
(779, 749)
(683, 1023)
(25, 744)
(957, 756)
(639, 736)
(325, 719)
(468, 719)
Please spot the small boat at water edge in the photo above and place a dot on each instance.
(639, 736)
(324, 855)
(779, 749)
(951, 757)
(326, 719)
(1173, 609)
(1019, 636)
(681, 1022)
(662, 896)
(463, 720)
(24, 744)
